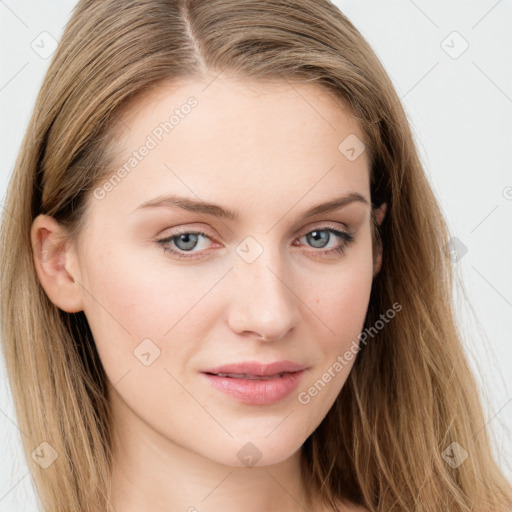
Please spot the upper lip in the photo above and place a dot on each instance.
(258, 369)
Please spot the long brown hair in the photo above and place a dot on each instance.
(410, 394)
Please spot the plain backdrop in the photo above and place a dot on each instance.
(451, 62)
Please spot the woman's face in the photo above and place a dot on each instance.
(265, 285)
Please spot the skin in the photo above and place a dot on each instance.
(270, 152)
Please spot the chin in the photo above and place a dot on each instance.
(257, 450)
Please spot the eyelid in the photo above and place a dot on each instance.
(307, 229)
(190, 229)
(325, 225)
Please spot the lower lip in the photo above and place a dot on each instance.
(257, 392)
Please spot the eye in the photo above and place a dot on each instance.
(178, 245)
(321, 236)
(185, 242)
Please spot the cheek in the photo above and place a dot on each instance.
(340, 307)
(341, 297)
(129, 301)
(347, 298)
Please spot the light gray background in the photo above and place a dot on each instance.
(460, 109)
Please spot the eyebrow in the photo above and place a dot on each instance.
(215, 210)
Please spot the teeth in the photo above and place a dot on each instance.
(249, 377)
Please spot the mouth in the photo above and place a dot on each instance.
(256, 369)
(249, 377)
(259, 385)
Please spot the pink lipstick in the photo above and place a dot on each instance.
(256, 383)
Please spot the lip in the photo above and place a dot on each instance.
(256, 368)
(256, 391)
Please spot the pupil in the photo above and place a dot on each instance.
(318, 236)
(190, 240)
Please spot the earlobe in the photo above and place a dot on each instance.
(54, 263)
(380, 213)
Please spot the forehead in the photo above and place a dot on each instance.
(288, 105)
(236, 143)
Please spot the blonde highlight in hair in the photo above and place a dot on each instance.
(410, 393)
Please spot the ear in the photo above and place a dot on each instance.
(55, 264)
(380, 213)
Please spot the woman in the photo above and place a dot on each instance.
(226, 282)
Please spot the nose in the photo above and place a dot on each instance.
(264, 302)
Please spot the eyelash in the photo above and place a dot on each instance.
(347, 236)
